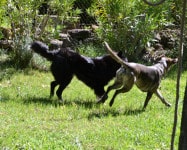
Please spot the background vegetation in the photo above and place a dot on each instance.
(127, 25)
(30, 120)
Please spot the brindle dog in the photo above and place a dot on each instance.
(146, 78)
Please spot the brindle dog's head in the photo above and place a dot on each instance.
(168, 62)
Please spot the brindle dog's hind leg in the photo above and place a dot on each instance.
(128, 80)
(114, 86)
(127, 87)
(117, 84)
(149, 95)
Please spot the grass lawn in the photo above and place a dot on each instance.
(30, 120)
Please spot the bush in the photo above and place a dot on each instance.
(129, 25)
(27, 25)
(21, 54)
(21, 14)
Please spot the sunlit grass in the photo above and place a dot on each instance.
(30, 120)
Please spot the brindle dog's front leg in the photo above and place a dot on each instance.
(159, 95)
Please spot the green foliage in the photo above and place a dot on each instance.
(126, 24)
(25, 23)
(20, 19)
(91, 50)
(21, 54)
(2, 10)
(129, 25)
(64, 10)
(63, 7)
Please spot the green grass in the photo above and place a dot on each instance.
(30, 120)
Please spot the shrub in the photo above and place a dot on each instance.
(26, 25)
(129, 25)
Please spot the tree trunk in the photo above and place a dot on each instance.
(183, 132)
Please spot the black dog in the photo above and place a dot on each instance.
(94, 72)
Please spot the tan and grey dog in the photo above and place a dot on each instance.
(146, 78)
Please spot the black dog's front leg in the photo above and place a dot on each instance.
(103, 98)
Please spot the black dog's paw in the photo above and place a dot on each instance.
(111, 103)
(60, 101)
(102, 99)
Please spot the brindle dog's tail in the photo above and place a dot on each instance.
(116, 57)
(43, 50)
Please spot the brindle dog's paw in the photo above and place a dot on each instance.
(168, 105)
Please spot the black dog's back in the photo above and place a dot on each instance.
(98, 73)
(94, 72)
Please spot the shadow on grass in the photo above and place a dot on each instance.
(84, 104)
(7, 70)
(89, 104)
(4, 98)
(114, 113)
(38, 100)
(48, 101)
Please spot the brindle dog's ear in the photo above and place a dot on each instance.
(158, 58)
(172, 60)
(175, 60)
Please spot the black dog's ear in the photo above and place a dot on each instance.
(120, 53)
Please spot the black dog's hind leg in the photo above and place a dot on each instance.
(59, 92)
(148, 97)
(99, 91)
(62, 87)
(53, 85)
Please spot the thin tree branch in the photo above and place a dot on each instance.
(178, 76)
(183, 135)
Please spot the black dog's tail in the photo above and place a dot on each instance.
(42, 49)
